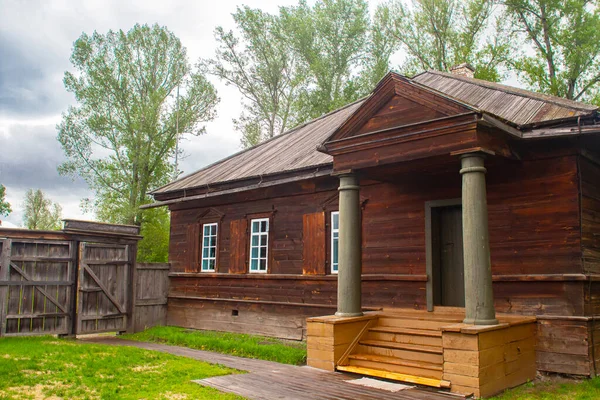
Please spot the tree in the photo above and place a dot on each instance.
(292, 66)
(564, 35)
(380, 48)
(40, 212)
(438, 34)
(330, 40)
(4, 205)
(121, 135)
(155, 230)
(258, 61)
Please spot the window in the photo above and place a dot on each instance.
(335, 239)
(209, 247)
(259, 244)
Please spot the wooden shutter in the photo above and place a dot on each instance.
(314, 244)
(193, 248)
(238, 231)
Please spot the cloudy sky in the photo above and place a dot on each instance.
(36, 38)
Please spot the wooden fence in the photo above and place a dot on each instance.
(152, 289)
(76, 281)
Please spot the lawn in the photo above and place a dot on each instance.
(555, 389)
(236, 344)
(50, 368)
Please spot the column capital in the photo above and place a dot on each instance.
(472, 162)
(348, 181)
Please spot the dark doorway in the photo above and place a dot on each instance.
(447, 256)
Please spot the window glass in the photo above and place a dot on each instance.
(259, 245)
(209, 247)
(335, 236)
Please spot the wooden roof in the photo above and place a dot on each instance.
(296, 150)
(518, 107)
(291, 151)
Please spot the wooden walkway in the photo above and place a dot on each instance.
(268, 380)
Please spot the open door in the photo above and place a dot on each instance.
(447, 256)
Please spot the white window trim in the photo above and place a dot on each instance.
(259, 234)
(216, 248)
(333, 213)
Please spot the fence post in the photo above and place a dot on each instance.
(4, 276)
(74, 278)
(132, 292)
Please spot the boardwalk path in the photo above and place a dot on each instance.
(268, 380)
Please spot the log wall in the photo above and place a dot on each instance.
(535, 239)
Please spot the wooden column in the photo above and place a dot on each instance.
(350, 248)
(479, 297)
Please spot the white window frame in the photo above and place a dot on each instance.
(335, 235)
(259, 235)
(208, 259)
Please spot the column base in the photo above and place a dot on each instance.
(476, 321)
(347, 315)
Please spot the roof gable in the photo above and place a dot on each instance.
(397, 102)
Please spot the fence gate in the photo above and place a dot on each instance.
(37, 279)
(104, 283)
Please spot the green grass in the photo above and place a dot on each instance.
(45, 367)
(555, 389)
(236, 344)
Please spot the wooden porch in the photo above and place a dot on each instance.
(428, 348)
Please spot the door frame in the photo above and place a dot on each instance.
(429, 205)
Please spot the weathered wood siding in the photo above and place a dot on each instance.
(152, 288)
(534, 238)
(589, 168)
(590, 218)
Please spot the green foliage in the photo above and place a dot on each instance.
(154, 247)
(293, 66)
(439, 34)
(256, 59)
(237, 344)
(44, 367)
(40, 212)
(565, 36)
(4, 205)
(380, 47)
(121, 136)
(330, 39)
(554, 388)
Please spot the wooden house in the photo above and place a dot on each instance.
(452, 225)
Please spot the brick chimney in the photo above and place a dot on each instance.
(463, 69)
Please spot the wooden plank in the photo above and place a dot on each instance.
(39, 289)
(314, 244)
(4, 276)
(395, 376)
(105, 290)
(238, 231)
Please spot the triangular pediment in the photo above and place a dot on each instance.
(397, 102)
(210, 214)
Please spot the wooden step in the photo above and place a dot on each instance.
(400, 366)
(403, 335)
(395, 376)
(403, 346)
(409, 355)
(396, 361)
(406, 331)
(423, 316)
(410, 323)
